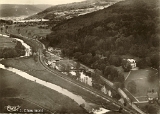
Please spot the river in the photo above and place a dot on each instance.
(76, 98)
(28, 49)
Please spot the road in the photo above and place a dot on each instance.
(41, 47)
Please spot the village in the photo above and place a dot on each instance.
(83, 74)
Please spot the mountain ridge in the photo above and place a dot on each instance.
(17, 10)
(67, 11)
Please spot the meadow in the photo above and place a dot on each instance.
(7, 42)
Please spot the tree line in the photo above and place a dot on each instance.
(17, 51)
(130, 27)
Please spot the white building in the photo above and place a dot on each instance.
(50, 49)
(104, 90)
(132, 63)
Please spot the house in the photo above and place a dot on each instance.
(152, 96)
(129, 64)
(50, 49)
(104, 90)
(57, 51)
(132, 63)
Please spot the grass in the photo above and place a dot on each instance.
(143, 82)
(141, 73)
(142, 98)
(33, 29)
(21, 102)
(6, 42)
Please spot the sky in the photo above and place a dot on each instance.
(53, 2)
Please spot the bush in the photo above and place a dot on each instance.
(155, 61)
(115, 60)
(126, 66)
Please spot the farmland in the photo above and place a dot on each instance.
(6, 42)
(29, 30)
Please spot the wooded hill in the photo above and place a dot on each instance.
(99, 39)
(70, 9)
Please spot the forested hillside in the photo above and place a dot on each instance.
(66, 11)
(100, 39)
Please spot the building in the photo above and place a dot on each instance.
(132, 62)
(50, 49)
(104, 90)
(152, 96)
(129, 64)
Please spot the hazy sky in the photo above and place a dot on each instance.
(54, 2)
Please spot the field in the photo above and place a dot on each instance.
(145, 79)
(39, 94)
(29, 31)
(25, 106)
(6, 42)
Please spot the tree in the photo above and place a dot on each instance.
(115, 95)
(155, 60)
(126, 65)
(18, 30)
(151, 109)
(117, 85)
(142, 51)
(134, 50)
(35, 57)
(67, 68)
(6, 29)
(110, 73)
(78, 65)
(142, 63)
(1, 29)
(121, 50)
(115, 60)
(121, 77)
(20, 48)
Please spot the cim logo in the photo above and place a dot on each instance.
(13, 108)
